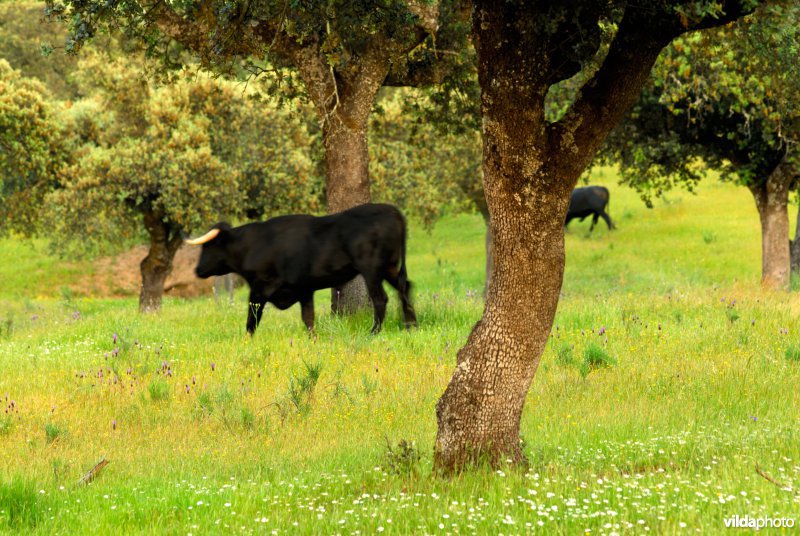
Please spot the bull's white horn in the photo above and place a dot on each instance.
(209, 236)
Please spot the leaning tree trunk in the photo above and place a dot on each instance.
(157, 265)
(529, 170)
(343, 106)
(772, 199)
(480, 411)
(794, 248)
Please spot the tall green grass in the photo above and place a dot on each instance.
(649, 412)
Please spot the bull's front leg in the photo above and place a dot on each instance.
(307, 311)
(255, 309)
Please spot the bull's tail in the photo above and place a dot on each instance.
(608, 209)
(402, 276)
(404, 285)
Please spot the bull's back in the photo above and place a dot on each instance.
(327, 251)
(588, 198)
(364, 234)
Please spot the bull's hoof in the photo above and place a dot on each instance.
(376, 328)
(410, 325)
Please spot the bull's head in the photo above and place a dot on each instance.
(214, 256)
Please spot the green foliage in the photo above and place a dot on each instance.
(727, 98)
(31, 153)
(7, 325)
(300, 395)
(369, 385)
(246, 40)
(793, 353)
(185, 155)
(6, 424)
(24, 36)
(19, 504)
(246, 418)
(565, 355)
(403, 459)
(418, 167)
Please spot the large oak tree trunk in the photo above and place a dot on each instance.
(157, 265)
(480, 411)
(772, 200)
(529, 170)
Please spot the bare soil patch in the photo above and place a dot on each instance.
(119, 276)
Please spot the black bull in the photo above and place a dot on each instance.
(286, 259)
(589, 201)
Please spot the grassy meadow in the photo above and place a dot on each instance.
(666, 401)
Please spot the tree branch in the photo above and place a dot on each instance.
(614, 88)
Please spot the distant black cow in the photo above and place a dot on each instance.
(285, 259)
(591, 200)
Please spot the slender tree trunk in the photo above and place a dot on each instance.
(157, 265)
(794, 248)
(346, 186)
(772, 200)
(343, 106)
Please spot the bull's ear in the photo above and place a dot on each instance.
(224, 232)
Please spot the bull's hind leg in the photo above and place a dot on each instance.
(403, 287)
(379, 299)
(607, 219)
